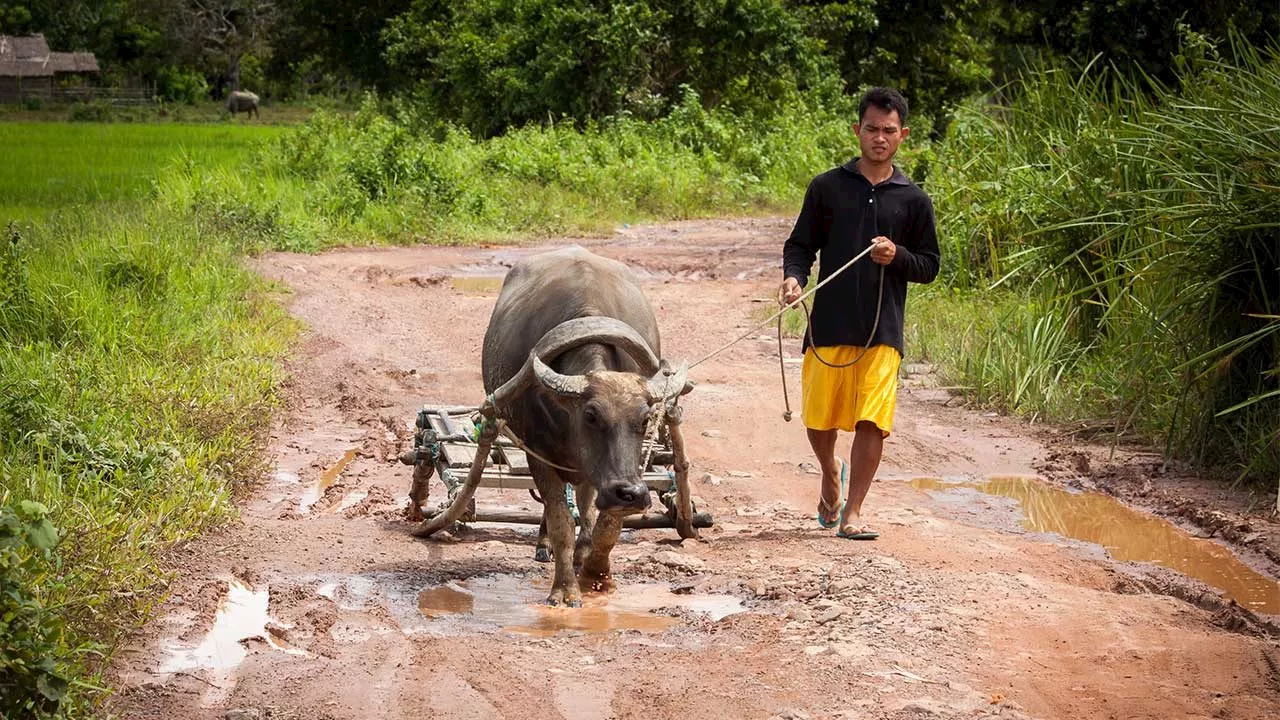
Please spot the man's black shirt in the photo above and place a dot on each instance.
(842, 212)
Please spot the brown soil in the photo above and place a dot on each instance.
(954, 612)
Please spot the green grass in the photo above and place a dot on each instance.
(376, 177)
(52, 166)
(138, 369)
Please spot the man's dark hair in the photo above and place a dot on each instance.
(886, 99)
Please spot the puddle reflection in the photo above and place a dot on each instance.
(1128, 534)
(516, 605)
(241, 615)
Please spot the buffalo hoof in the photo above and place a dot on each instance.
(559, 598)
(542, 554)
(597, 583)
(413, 513)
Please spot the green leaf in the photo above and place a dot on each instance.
(33, 509)
(52, 687)
(42, 534)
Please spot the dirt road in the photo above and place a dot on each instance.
(319, 604)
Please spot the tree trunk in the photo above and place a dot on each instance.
(233, 73)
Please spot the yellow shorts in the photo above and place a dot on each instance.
(839, 398)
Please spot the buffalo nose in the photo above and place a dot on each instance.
(634, 495)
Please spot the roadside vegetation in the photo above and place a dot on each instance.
(1113, 258)
(1110, 230)
(138, 367)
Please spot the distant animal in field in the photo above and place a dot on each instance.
(242, 101)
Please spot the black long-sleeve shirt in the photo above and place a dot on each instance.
(842, 212)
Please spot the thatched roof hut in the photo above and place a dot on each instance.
(29, 69)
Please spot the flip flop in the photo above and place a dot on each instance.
(864, 534)
(822, 504)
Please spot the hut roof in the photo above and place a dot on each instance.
(29, 56)
(25, 47)
(24, 68)
(80, 62)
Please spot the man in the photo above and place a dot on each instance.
(853, 346)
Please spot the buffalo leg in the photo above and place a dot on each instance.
(596, 574)
(422, 472)
(555, 512)
(587, 513)
(542, 553)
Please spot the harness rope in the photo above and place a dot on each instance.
(808, 326)
(658, 413)
(793, 304)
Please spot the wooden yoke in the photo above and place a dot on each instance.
(462, 500)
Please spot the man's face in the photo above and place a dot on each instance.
(880, 133)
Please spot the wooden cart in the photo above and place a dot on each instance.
(449, 441)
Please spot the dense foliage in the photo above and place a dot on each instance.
(489, 65)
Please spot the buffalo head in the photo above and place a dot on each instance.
(608, 409)
(609, 414)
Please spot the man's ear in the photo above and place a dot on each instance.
(905, 132)
(857, 129)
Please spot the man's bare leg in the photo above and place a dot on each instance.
(823, 443)
(864, 460)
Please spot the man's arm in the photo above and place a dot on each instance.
(917, 258)
(807, 238)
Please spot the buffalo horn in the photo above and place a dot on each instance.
(571, 334)
(562, 385)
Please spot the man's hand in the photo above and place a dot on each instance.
(883, 250)
(789, 292)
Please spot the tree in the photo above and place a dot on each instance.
(1140, 35)
(342, 38)
(490, 64)
(216, 35)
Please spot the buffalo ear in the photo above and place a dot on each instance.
(669, 383)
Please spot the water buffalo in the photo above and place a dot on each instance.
(584, 325)
(242, 101)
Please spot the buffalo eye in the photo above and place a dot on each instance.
(591, 416)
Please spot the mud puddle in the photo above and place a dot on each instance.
(515, 604)
(241, 616)
(312, 494)
(476, 284)
(1128, 535)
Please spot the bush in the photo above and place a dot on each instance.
(33, 671)
(181, 86)
(94, 111)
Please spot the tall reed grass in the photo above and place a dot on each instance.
(1133, 235)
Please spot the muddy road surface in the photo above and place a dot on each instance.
(1002, 583)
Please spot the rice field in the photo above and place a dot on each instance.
(49, 167)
